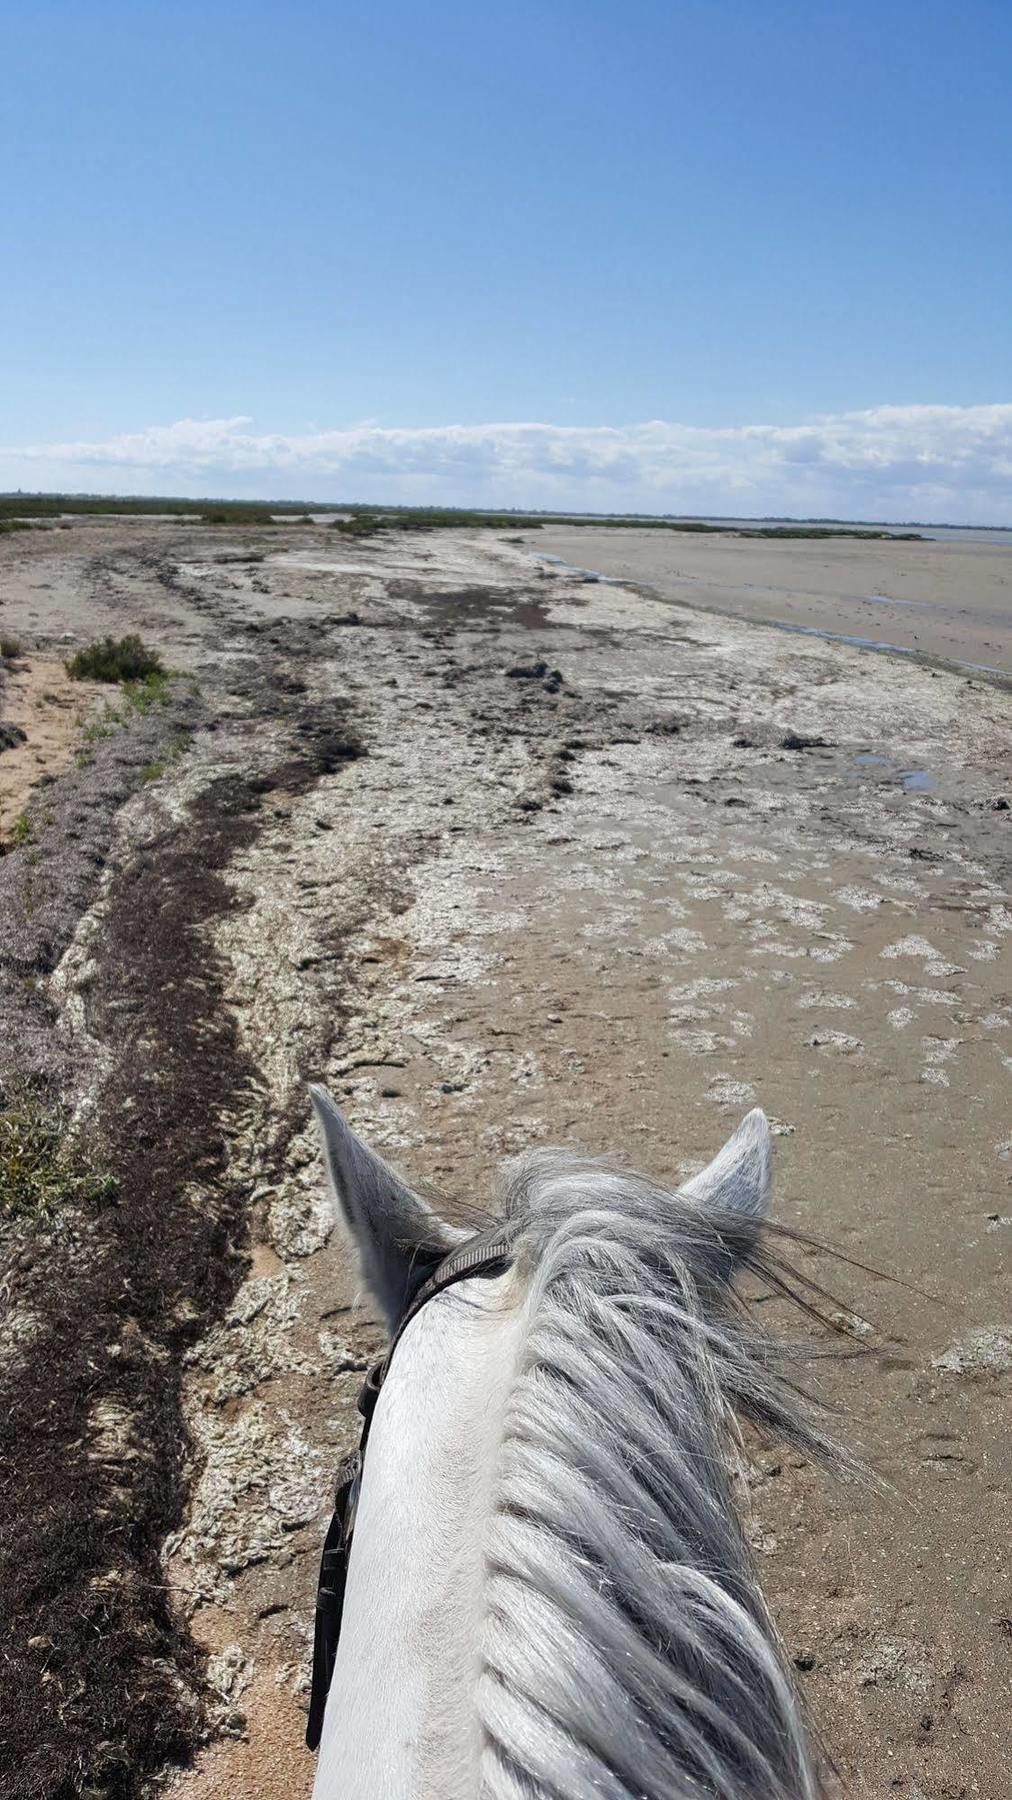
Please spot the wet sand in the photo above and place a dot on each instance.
(947, 600)
(613, 911)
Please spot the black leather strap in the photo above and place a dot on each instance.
(330, 1597)
(476, 1258)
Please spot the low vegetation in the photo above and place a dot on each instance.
(41, 1170)
(239, 514)
(125, 659)
(139, 696)
(367, 521)
(17, 510)
(9, 648)
(816, 531)
(360, 519)
(151, 690)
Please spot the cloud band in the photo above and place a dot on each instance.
(892, 462)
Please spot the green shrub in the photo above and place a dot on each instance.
(9, 647)
(115, 659)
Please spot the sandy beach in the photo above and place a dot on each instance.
(946, 599)
(510, 857)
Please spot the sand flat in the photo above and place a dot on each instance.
(945, 599)
(708, 864)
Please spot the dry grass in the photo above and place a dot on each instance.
(42, 1171)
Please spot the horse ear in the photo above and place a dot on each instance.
(398, 1238)
(738, 1178)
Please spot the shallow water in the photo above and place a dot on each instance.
(916, 781)
(575, 569)
(953, 534)
(858, 640)
(948, 600)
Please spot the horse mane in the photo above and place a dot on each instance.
(627, 1649)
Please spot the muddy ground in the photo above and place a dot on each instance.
(949, 598)
(507, 856)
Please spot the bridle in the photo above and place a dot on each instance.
(478, 1258)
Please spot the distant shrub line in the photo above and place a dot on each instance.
(366, 519)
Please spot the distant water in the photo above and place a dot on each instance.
(955, 534)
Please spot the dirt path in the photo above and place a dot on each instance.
(607, 907)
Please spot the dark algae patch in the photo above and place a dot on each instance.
(102, 1683)
(113, 1261)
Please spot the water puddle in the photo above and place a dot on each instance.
(844, 637)
(915, 781)
(867, 643)
(574, 569)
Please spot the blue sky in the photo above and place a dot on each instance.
(346, 250)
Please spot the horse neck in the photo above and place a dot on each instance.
(482, 1651)
(402, 1720)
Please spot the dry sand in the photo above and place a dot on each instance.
(613, 915)
(46, 714)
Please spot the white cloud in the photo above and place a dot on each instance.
(889, 462)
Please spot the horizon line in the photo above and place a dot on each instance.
(522, 512)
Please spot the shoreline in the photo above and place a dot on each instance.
(990, 672)
(948, 605)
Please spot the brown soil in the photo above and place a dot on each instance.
(608, 909)
(46, 714)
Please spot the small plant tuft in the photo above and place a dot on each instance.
(150, 691)
(9, 647)
(100, 728)
(41, 1170)
(115, 659)
(21, 830)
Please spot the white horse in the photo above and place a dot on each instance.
(550, 1593)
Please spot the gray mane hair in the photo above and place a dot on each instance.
(628, 1651)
